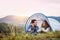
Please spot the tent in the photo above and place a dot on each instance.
(55, 25)
(39, 17)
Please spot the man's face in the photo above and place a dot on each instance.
(35, 23)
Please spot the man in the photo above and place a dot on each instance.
(33, 28)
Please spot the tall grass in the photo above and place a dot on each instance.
(12, 32)
(39, 36)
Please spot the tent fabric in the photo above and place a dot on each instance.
(39, 17)
(54, 24)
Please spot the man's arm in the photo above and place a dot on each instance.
(29, 29)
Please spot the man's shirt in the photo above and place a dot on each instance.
(35, 29)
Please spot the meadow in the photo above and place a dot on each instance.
(11, 32)
(39, 36)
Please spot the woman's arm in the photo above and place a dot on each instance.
(45, 30)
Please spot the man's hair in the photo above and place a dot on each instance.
(32, 21)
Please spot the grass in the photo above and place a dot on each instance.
(39, 36)
(12, 32)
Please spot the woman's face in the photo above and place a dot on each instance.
(44, 24)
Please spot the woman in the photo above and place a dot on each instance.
(45, 27)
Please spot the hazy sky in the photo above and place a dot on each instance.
(29, 7)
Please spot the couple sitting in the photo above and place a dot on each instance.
(33, 28)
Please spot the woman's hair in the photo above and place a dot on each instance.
(46, 24)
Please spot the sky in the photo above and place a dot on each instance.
(29, 7)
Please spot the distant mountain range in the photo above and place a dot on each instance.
(13, 19)
(19, 19)
(57, 18)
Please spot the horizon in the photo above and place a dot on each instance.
(25, 16)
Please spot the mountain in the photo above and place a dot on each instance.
(57, 18)
(19, 19)
(13, 19)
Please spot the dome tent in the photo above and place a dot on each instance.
(55, 25)
(39, 17)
